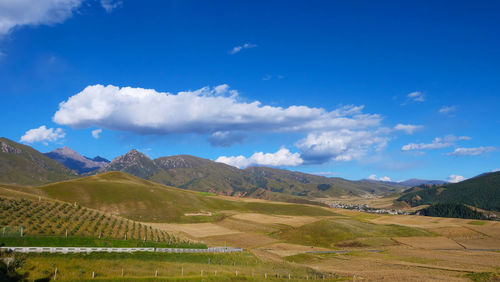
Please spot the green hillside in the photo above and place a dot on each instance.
(452, 210)
(482, 191)
(23, 165)
(134, 198)
(200, 174)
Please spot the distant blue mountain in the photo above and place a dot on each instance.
(75, 161)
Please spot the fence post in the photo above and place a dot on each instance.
(55, 274)
(21, 231)
(201, 272)
(93, 274)
(265, 275)
(122, 272)
(215, 273)
(236, 272)
(156, 273)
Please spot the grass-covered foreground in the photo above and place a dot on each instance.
(214, 267)
(57, 241)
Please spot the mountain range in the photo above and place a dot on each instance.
(200, 174)
(21, 164)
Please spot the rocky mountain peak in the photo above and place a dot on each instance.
(6, 148)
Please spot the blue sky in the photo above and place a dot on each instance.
(396, 89)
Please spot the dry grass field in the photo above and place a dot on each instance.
(368, 247)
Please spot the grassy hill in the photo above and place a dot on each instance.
(23, 165)
(482, 191)
(328, 232)
(138, 199)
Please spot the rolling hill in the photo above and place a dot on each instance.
(134, 198)
(23, 165)
(482, 191)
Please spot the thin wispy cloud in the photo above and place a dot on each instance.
(472, 151)
(239, 48)
(437, 143)
(269, 77)
(408, 128)
(110, 5)
(414, 97)
(447, 109)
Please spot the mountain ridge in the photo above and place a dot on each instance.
(73, 160)
(190, 172)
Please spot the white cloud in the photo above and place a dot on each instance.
(374, 177)
(437, 143)
(408, 128)
(495, 170)
(43, 134)
(447, 109)
(455, 178)
(205, 110)
(471, 151)
(340, 145)
(110, 5)
(283, 157)
(96, 133)
(237, 49)
(416, 96)
(15, 13)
